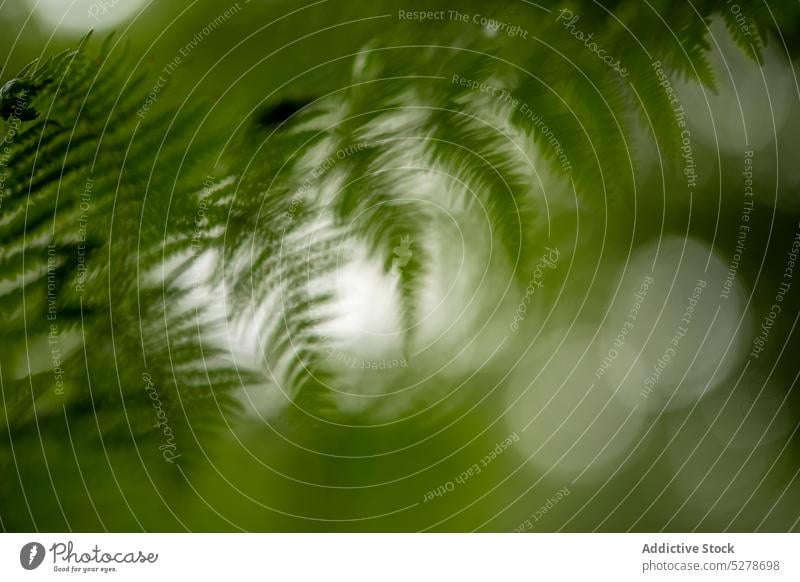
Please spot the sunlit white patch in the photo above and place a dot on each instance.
(569, 421)
(363, 315)
(679, 318)
(393, 123)
(80, 16)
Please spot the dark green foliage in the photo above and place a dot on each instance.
(83, 221)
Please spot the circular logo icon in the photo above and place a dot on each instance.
(31, 555)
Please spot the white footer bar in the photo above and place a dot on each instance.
(400, 557)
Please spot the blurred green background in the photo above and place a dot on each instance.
(721, 454)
